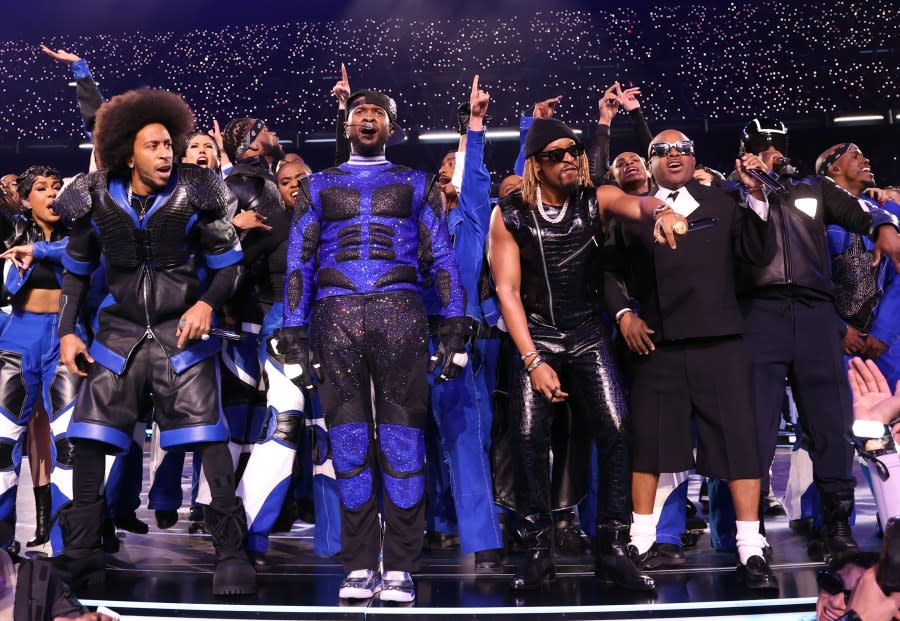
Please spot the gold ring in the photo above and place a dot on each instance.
(679, 228)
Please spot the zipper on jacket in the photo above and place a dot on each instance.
(787, 248)
(580, 250)
(537, 228)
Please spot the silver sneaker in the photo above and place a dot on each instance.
(360, 584)
(397, 586)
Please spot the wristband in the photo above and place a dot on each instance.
(534, 364)
(527, 355)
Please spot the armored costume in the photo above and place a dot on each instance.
(157, 251)
(364, 235)
(267, 478)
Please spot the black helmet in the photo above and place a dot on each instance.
(761, 133)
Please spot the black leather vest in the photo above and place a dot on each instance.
(559, 262)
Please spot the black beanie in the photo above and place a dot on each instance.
(544, 131)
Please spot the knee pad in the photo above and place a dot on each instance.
(350, 447)
(403, 461)
(282, 427)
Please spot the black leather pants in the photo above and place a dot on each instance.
(583, 359)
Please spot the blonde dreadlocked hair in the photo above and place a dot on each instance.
(531, 178)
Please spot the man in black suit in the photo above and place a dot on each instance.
(696, 367)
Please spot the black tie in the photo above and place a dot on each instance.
(673, 196)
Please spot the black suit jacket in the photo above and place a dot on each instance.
(690, 292)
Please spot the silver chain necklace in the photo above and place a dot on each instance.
(540, 208)
(142, 201)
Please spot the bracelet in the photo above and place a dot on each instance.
(660, 210)
(527, 355)
(534, 364)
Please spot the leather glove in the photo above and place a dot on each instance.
(462, 118)
(290, 346)
(451, 355)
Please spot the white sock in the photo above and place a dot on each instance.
(749, 541)
(643, 531)
(395, 575)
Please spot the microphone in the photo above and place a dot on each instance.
(768, 179)
(364, 125)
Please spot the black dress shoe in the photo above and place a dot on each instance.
(131, 523)
(660, 555)
(757, 575)
(488, 562)
(534, 572)
(166, 518)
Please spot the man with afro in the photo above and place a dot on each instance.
(171, 257)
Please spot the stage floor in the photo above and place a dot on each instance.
(168, 574)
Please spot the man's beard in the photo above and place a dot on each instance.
(276, 152)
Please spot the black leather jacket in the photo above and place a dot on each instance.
(558, 261)
(802, 261)
(156, 266)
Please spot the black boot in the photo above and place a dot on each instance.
(612, 561)
(41, 516)
(235, 574)
(836, 510)
(538, 566)
(82, 563)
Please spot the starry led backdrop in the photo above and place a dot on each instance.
(705, 68)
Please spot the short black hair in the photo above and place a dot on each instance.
(122, 117)
(26, 179)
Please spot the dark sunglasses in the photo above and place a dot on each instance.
(661, 149)
(558, 155)
(832, 584)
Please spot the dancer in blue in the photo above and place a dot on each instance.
(462, 409)
(364, 235)
(29, 349)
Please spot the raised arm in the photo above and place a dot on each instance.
(341, 91)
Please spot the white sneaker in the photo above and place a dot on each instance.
(360, 584)
(397, 586)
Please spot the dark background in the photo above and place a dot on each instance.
(706, 73)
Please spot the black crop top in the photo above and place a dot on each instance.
(42, 276)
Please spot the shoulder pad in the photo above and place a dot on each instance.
(205, 189)
(75, 200)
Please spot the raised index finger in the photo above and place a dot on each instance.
(344, 74)
(475, 84)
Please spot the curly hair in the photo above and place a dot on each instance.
(122, 117)
(233, 135)
(26, 179)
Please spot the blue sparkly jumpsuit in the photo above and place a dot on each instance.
(365, 237)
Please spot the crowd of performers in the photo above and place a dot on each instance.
(594, 327)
